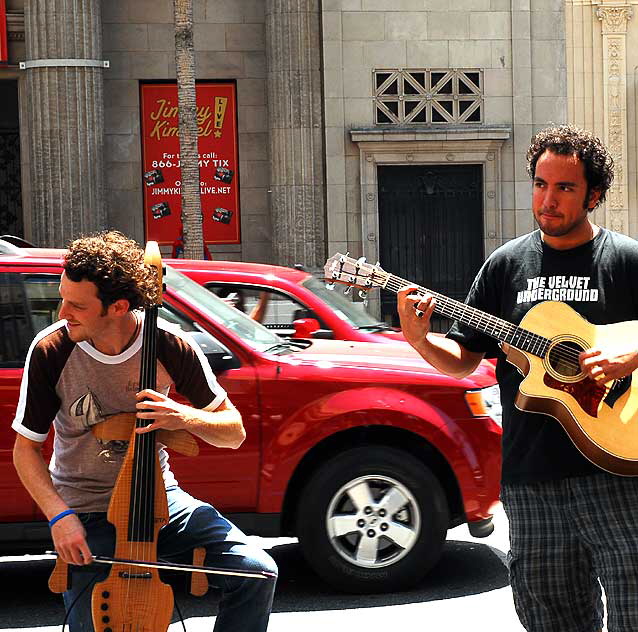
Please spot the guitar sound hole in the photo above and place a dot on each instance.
(563, 358)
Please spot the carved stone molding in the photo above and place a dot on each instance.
(614, 18)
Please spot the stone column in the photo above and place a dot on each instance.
(614, 20)
(66, 118)
(293, 42)
(522, 114)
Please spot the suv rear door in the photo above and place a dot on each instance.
(28, 303)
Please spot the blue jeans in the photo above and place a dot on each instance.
(245, 604)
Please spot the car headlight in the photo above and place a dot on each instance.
(485, 401)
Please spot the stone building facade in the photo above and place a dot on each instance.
(392, 130)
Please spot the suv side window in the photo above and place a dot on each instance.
(274, 310)
(28, 304)
(218, 355)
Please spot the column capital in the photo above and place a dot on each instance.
(614, 17)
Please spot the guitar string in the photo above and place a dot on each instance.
(532, 342)
(133, 489)
(139, 524)
(138, 483)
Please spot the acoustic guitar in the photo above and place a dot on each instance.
(601, 419)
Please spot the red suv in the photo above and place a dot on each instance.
(296, 303)
(362, 450)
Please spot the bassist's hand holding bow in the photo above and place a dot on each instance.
(69, 540)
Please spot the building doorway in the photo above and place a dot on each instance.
(430, 229)
(11, 218)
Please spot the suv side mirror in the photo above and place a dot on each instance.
(310, 328)
(305, 327)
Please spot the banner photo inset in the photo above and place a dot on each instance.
(218, 161)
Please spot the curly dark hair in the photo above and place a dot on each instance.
(115, 264)
(571, 140)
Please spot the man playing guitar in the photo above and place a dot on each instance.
(571, 523)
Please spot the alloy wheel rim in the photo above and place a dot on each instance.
(373, 521)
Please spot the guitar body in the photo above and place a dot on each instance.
(601, 420)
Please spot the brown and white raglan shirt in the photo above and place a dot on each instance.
(73, 386)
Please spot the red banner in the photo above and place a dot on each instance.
(4, 48)
(218, 161)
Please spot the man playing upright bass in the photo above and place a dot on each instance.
(83, 369)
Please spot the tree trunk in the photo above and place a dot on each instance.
(188, 152)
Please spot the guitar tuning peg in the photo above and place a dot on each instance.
(363, 294)
(347, 290)
(361, 260)
(330, 286)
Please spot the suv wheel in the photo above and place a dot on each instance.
(372, 519)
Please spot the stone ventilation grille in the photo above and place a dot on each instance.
(417, 96)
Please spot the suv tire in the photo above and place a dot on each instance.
(372, 519)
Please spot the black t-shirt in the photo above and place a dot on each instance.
(599, 280)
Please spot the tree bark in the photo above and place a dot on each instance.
(187, 122)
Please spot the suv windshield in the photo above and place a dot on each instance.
(251, 332)
(345, 309)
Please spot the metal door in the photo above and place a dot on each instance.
(431, 229)
(10, 180)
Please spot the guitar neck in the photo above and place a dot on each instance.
(483, 322)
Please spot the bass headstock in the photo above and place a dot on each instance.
(153, 258)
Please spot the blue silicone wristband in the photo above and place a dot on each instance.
(61, 515)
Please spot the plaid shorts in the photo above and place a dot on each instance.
(565, 536)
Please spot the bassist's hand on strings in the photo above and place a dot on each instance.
(69, 540)
(606, 366)
(161, 410)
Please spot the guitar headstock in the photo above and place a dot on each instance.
(354, 272)
(153, 258)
